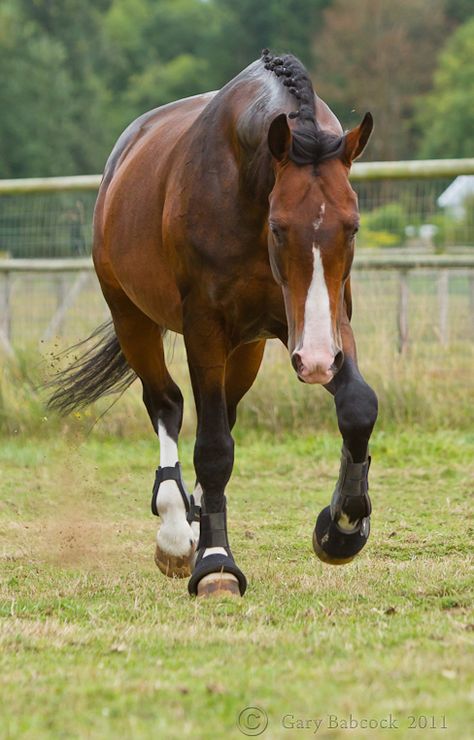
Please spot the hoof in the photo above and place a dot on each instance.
(218, 585)
(174, 566)
(333, 546)
(217, 575)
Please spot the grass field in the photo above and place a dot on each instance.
(96, 643)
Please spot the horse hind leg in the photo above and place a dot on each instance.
(142, 344)
(175, 542)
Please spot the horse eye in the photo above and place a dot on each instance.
(276, 233)
(352, 234)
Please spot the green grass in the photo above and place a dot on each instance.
(431, 385)
(431, 382)
(95, 642)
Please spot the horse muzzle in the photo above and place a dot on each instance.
(317, 368)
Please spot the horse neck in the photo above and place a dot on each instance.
(251, 134)
(237, 119)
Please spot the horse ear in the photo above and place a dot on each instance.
(279, 137)
(357, 138)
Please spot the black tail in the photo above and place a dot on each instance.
(102, 369)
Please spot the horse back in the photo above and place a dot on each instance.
(180, 114)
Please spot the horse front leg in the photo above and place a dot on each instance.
(215, 571)
(342, 528)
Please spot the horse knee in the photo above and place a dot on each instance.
(357, 409)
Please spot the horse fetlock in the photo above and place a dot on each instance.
(176, 537)
(348, 513)
(175, 541)
(175, 548)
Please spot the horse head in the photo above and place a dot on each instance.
(313, 219)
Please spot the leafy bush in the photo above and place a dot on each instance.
(384, 226)
(452, 231)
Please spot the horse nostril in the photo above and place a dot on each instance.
(338, 362)
(296, 361)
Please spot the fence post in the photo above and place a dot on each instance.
(443, 304)
(62, 309)
(5, 313)
(403, 294)
(61, 295)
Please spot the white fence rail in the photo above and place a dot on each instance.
(72, 275)
(409, 170)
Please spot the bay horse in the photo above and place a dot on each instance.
(228, 217)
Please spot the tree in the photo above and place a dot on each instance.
(458, 11)
(379, 55)
(159, 52)
(165, 49)
(248, 26)
(35, 124)
(162, 82)
(76, 72)
(446, 114)
(77, 25)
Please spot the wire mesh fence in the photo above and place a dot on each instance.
(395, 214)
(35, 299)
(57, 224)
(406, 207)
(409, 215)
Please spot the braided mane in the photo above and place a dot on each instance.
(310, 144)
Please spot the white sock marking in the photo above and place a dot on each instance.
(168, 447)
(175, 535)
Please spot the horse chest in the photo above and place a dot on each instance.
(252, 309)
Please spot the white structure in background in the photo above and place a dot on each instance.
(454, 196)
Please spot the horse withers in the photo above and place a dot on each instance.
(228, 217)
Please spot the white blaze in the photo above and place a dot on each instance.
(317, 223)
(317, 330)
